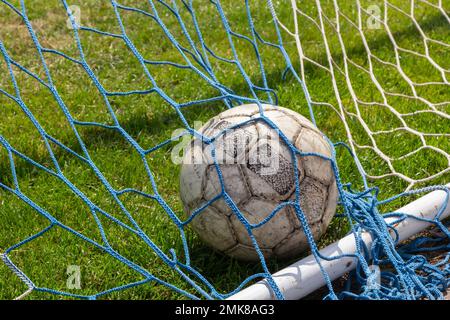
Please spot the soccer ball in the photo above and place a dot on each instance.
(257, 182)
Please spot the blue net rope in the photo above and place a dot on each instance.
(406, 272)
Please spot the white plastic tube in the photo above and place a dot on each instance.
(304, 276)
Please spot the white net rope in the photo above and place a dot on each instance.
(425, 93)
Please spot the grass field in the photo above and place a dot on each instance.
(149, 120)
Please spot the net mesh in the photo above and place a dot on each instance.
(76, 93)
(410, 53)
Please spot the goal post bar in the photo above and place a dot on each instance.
(304, 276)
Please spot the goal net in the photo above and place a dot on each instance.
(386, 69)
(96, 98)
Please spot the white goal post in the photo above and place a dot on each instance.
(304, 277)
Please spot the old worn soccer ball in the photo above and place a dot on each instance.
(257, 177)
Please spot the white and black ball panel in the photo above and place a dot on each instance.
(291, 128)
(296, 242)
(257, 193)
(273, 186)
(245, 110)
(331, 205)
(309, 141)
(191, 177)
(275, 179)
(215, 228)
(229, 146)
(234, 185)
(268, 234)
(313, 199)
(301, 120)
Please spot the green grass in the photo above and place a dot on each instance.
(150, 120)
